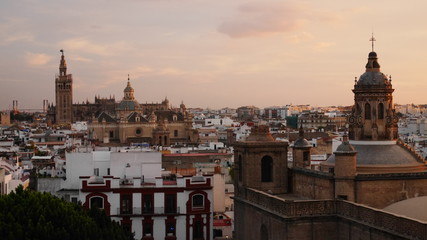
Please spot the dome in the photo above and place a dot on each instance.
(302, 142)
(373, 78)
(372, 55)
(128, 87)
(128, 105)
(380, 157)
(345, 147)
(414, 208)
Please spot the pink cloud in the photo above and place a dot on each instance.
(37, 59)
(264, 18)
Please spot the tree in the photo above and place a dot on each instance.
(25, 214)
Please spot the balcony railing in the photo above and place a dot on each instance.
(148, 211)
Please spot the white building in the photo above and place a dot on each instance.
(277, 112)
(11, 177)
(218, 121)
(129, 186)
(79, 126)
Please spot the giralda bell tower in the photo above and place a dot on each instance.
(64, 94)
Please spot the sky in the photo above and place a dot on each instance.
(222, 53)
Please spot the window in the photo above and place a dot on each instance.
(198, 201)
(147, 228)
(74, 200)
(170, 229)
(367, 111)
(97, 202)
(306, 158)
(217, 233)
(342, 197)
(170, 203)
(96, 171)
(138, 131)
(266, 169)
(381, 111)
(111, 134)
(147, 203)
(126, 204)
(175, 133)
(197, 230)
(108, 171)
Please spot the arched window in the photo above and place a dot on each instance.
(367, 111)
(266, 169)
(97, 202)
(198, 201)
(381, 111)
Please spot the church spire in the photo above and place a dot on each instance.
(373, 114)
(129, 92)
(62, 65)
(372, 65)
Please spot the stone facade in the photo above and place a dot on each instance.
(261, 162)
(343, 199)
(373, 115)
(270, 218)
(63, 94)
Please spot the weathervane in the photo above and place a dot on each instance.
(372, 39)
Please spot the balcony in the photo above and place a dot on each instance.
(148, 211)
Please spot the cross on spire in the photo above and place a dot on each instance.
(372, 39)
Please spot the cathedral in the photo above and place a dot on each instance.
(349, 195)
(123, 122)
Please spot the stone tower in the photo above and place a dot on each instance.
(64, 94)
(373, 115)
(301, 152)
(345, 171)
(261, 162)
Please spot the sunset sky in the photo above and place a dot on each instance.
(210, 53)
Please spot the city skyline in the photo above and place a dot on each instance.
(209, 54)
